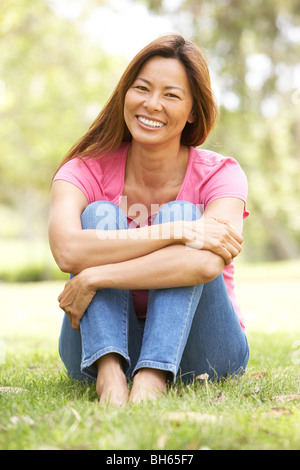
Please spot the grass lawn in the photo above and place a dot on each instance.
(40, 408)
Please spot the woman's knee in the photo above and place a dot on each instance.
(178, 210)
(103, 215)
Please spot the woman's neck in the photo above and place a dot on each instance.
(154, 168)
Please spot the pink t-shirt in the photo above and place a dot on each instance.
(209, 176)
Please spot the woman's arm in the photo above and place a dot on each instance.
(75, 249)
(173, 266)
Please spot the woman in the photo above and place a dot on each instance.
(148, 226)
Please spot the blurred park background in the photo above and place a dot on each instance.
(61, 59)
(59, 62)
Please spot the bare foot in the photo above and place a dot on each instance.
(111, 384)
(148, 384)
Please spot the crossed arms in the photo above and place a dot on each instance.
(194, 253)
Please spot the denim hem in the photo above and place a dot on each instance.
(156, 365)
(88, 365)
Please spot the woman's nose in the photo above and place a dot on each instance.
(153, 103)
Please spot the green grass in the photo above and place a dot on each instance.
(257, 411)
(51, 411)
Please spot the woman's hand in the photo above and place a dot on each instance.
(213, 234)
(75, 298)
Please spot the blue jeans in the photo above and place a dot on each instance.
(188, 330)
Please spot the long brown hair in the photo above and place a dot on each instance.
(109, 129)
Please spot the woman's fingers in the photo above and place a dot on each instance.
(231, 229)
(216, 235)
(228, 253)
(75, 299)
(228, 248)
(234, 246)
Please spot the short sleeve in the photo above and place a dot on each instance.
(227, 180)
(77, 172)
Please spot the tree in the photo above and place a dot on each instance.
(54, 81)
(253, 49)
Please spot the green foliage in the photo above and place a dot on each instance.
(253, 50)
(25, 261)
(54, 81)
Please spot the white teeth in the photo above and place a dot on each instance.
(148, 123)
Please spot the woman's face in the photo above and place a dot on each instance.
(159, 103)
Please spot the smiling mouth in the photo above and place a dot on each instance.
(150, 123)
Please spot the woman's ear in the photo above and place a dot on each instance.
(191, 118)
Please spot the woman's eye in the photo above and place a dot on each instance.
(171, 95)
(141, 88)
